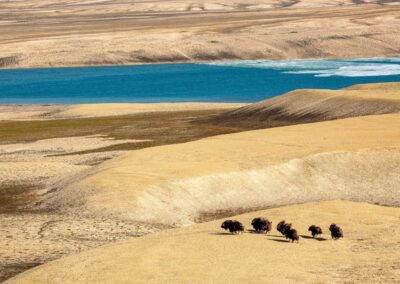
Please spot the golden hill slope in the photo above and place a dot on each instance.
(203, 253)
(356, 158)
(311, 105)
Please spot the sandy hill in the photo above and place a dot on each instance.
(310, 105)
(355, 158)
(203, 253)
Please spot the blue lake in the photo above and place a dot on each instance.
(241, 81)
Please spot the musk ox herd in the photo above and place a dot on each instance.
(263, 225)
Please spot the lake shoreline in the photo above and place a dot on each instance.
(230, 81)
(210, 61)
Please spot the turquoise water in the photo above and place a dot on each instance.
(240, 81)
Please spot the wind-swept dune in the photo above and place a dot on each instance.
(311, 105)
(203, 253)
(356, 159)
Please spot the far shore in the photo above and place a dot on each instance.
(175, 32)
(188, 61)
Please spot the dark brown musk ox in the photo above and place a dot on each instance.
(336, 231)
(233, 226)
(285, 229)
(280, 227)
(261, 224)
(315, 230)
(292, 235)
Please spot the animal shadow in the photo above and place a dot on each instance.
(309, 237)
(280, 241)
(276, 236)
(250, 231)
(222, 234)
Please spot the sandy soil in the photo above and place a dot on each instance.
(33, 238)
(46, 112)
(369, 252)
(39, 163)
(47, 33)
(29, 171)
(173, 183)
(311, 105)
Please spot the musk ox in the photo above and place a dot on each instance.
(261, 224)
(315, 230)
(336, 231)
(285, 229)
(292, 235)
(280, 226)
(233, 226)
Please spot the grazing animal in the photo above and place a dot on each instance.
(281, 226)
(315, 230)
(261, 224)
(233, 226)
(292, 235)
(286, 228)
(336, 231)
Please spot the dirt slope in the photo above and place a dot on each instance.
(311, 105)
(356, 158)
(369, 252)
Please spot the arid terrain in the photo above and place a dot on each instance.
(368, 253)
(47, 33)
(310, 105)
(77, 180)
(58, 149)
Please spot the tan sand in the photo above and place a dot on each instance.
(28, 172)
(41, 164)
(48, 33)
(311, 105)
(46, 112)
(369, 252)
(96, 110)
(174, 183)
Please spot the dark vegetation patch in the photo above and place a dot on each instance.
(7, 61)
(215, 56)
(9, 270)
(160, 128)
(14, 196)
(269, 118)
(141, 56)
